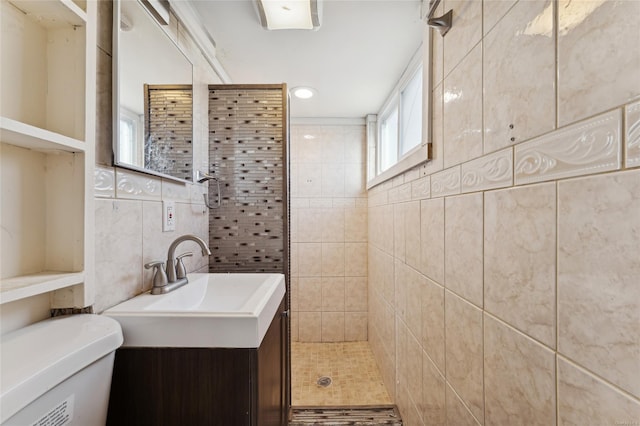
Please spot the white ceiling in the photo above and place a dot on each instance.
(353, 61)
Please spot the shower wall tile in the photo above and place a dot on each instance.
(355, 290)
(464, 352)
(333, 326)
(490, 171)
(175, 191)
(598, 58)
(493, 11)
(331, 223)
(355, 327)
(446, 182)
(465, 34)
(519, 59)
(433, 393)
(421, 188)
(457, 413)
(310, 259)
(433, 340)
(333, 294)
(585, 399)
(333, 259)
(310, 326)
(412, 231)
(355, 225)
(310, 296)
(399, 234)
(519, 258)
(463, 110)
(592, 146)
(355, 259)
(432, 239)
(632, 121)
(598, 271)
(463, 246)
(519, 378)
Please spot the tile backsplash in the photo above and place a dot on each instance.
(504, 288)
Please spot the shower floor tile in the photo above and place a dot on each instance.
(355, 378)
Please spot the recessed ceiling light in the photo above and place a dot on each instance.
(303, 92)
(309, 137)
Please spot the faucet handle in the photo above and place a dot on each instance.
(181, 271)
(159, 274)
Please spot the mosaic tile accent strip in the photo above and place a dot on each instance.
(355, 377)
(246, 152)
(592, 146)
(446, 182)
(360, 416)
(168, 146)
(488, 172)
(633, 135)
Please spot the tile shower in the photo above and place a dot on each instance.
(503, 275)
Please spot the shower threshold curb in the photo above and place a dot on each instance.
(358, 415)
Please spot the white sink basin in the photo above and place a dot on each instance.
(211, 311)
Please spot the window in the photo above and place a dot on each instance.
(398, 140)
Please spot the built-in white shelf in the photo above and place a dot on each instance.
(17, 288)
(53, 14)
(27, 136)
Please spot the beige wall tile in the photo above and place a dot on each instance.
(399, 230)
(331, 225)
(584, 399)
(118, 225)
(355, 259)
(433, 323)
(519, 60)
(466, 32)
(355, 225)
(310, 326)
(310, 259)
(333, 259)
(333, 180)
(493, 11)
(310, 294)
(432, 239)
(598, 57)
(463, 110)
(355, 294)
(310, 229)
(333, 294)
(333, 326)
(412, 233)
(519, 258)
(433, 393)
(457, 413)
(463, 246)
(519, 378)
(310, 180)
(446, 182)
(421, 188)
(415, 284)
(598, 275)
(355, 326)
(464, 352)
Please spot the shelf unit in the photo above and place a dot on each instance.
(47, 135)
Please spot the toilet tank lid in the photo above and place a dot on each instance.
(38, 357)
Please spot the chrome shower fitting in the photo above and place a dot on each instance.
(442, 23)
(202, 177)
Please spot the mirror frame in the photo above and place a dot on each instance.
(115, 93)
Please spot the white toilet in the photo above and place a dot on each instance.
(58, 372)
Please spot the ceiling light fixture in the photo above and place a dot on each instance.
(302, 92)
(289, 14)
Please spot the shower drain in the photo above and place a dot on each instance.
(324, 381)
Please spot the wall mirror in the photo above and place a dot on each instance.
(152, 91)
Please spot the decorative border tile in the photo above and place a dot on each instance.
(104, 182)
(175, 191)
(633, 135)
(137, 186)
(446, 182)
(421, 188)
(488, 172)
(592, 146)
(400, 193)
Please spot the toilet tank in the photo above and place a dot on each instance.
(58, 371)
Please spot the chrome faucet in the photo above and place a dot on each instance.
(174, 275)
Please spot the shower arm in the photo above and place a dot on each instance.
(442, 23)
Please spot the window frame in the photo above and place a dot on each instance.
(418, 154)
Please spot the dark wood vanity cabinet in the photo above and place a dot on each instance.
(202, 386)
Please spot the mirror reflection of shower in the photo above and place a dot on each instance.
(202, 177)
